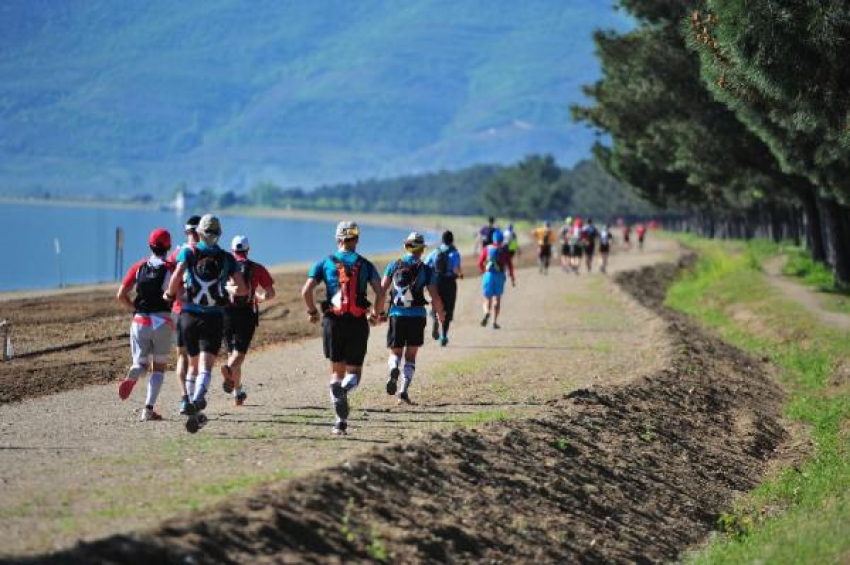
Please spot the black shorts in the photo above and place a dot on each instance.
(589, 249)
(604, 248)
(202, 332)
(406, 331)
(447, 287)
(178, 331)
(544, 251)
(345, 338)
(565, 249)
(239, 327)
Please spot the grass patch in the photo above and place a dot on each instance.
(483, 417)
(802, 514)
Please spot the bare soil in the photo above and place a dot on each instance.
(621, 431)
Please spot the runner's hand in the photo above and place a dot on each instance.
(313, 316)
(441, 316)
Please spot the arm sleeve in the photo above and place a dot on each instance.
(129, 279)
(262, 277)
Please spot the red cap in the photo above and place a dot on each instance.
(160, 239)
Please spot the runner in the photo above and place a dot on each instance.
(545, 238)
(492, 263)
(576, 245)
(589, 233)
(242, 317)
(485, 234)
(345, 314)
(564, 238)
(640, 230)
(627, 232)
(187, 383)
(203, 270)
(406, 279)
(605, 241)
(150, 331)
(512, 241)
(445, 260)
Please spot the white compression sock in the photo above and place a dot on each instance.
(409, 369)
(350, 382)
(203, 384)
(394, 361)
(154, 385)
(190, 384)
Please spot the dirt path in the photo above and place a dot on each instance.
(79, 465)
(803, 295)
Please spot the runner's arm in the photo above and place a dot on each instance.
(123, 297)
(378, 308)
(175, 282)
(482, 259)
(309, 299)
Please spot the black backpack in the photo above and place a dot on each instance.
(441, 261)
(245, 267)
(204, 284)
(150, 281)
(404, 292)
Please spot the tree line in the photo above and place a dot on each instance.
(735, 112)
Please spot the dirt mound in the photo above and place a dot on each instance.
(633, 474)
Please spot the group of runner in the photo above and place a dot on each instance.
(203, 295)
(197, 297)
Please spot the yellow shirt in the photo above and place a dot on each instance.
(544, 236)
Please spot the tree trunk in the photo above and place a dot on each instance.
(837, 239)
(814, 229)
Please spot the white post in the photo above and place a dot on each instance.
(58, 260)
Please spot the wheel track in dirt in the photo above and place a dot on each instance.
(631, 473)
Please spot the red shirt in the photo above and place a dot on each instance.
(260, 276)
(504, 258)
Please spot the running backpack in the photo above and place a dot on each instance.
(350, 299)
(441, 261)
(404, 292)
(245, 267)
(487, 235)
(605, 237)
(150, 285)
(204, 273)
(495, 260)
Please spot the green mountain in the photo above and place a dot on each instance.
(98, 96)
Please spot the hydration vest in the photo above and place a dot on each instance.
(245, 267)
(150, 285)
(442, 263)
(605, 237)
(487, 235)
(204, 280)
(405, 293)
(495, 260)
(350, 299)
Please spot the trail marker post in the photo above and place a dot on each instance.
(6, 341)
(58, 249)
(119, 252)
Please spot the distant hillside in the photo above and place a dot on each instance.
(137, 96)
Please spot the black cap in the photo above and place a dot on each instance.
(448, 237)
(192, 223)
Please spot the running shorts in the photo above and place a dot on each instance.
(604, 248)
(544, 250)
(239, 327)
(447, 287)
(590, 249)
(178, 331)
(565, 249)
(344, 339)
(202, 332)
(576, 250)
(406, 331)
(151, 341)
(493, 284)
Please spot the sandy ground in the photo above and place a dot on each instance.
(79, 465)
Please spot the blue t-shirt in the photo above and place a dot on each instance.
(229, 268)
(425, 277)
(453, 260)
(326, 271)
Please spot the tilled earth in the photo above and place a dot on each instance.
(631, 473)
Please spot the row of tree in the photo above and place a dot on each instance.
(735, 111)
(534, 188)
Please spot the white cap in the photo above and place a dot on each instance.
(240, 244)
(415, 239)
(347, 230)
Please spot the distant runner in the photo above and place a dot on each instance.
(242, 317)
(485, 234)
(346, 314)
(627, 233)
(605, 242)
(545, 238)
(493, 263)
(150, 331)
(407, 279)
(564, 237)
(640, 230)
(204, 270)
(512, 241)
(446, 262)
(187, 381)
(589, 234)
(576, 245)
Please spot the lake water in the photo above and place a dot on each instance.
(86, 239)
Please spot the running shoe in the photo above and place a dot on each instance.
(340, 428)
(227, 383)
(340, 400)
(202, 420)
(444, 341)
(403, 398)
(125, 387)
(184, 406)
(435, 331)
(192, 425)
(200, 404)
(485, 319)
(392, 382)
(240, 397)
(149, 415)
(496, 326)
